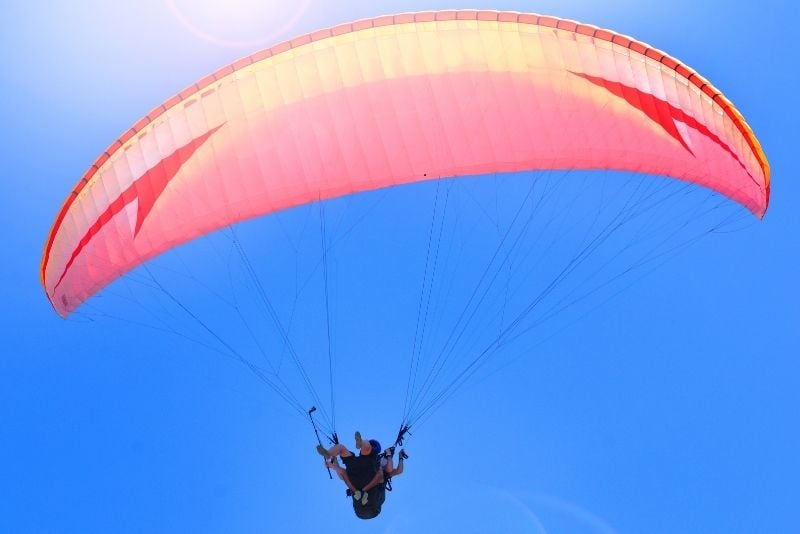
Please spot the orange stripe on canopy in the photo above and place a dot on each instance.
(389, 101)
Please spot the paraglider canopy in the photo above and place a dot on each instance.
(388, 101)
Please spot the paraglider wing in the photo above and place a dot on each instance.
(390, 101)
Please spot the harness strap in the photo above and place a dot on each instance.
(401, 435)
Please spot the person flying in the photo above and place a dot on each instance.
(365, 475)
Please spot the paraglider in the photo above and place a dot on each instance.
(386, 102)
(366, 475)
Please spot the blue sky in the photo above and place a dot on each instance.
(670, 409)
